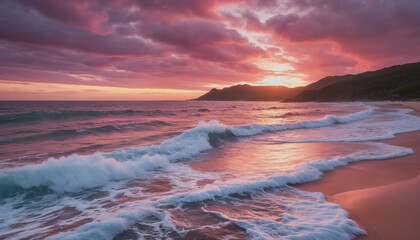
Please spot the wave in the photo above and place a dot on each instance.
(279, 108)
(311, 218)
(316, 112)
(289, 114)
(57, 115)
(74, 173)
(335, 223)
(306, 172)
(328, 120)
(84, 131)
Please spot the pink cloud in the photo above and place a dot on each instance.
(371, 30)
(193, 44)
(191, 34)
(17, 25)
(89, 15)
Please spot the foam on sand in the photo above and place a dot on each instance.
(303, 219)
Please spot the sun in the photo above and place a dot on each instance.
(282, 81)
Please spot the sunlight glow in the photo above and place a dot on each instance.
(283, 81)
(12, 90)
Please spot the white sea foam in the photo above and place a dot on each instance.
(108, 227)
(74, 173)
(306, 172)
(305, 220)
(378, 127)
(328, 120)
(312, 218)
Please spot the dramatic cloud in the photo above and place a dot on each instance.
(198, 44)
(369, 30)
(88, 15)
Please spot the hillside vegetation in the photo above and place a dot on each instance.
(394, 83)
(401, 82)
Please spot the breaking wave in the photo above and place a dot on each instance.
(74, 173)
(323, 219)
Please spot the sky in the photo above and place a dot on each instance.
(180, 49)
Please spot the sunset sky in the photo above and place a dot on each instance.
(179, 49)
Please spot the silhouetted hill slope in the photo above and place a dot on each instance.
(393, 83)
(326, 81)
(251, 93)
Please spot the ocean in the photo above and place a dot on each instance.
(184, 169)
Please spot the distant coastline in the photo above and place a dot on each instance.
(396, 83)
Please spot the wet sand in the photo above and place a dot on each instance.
(382, 196)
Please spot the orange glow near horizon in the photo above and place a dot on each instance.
(56, 91)
(283, 81)
(177, 52)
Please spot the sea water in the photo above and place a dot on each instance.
(183, 170)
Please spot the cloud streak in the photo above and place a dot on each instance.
(191, 44)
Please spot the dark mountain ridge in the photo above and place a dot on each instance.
(251, 93)
(398, 82)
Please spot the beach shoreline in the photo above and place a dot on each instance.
(382, 196)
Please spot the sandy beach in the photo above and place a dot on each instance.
(381, 196)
